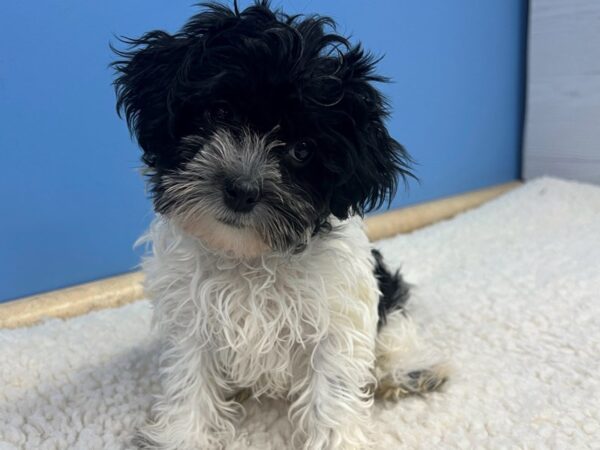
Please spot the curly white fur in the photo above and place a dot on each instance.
(301, 326)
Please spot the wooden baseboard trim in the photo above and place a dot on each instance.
(72, 301)
(120, 290)
(412, 218)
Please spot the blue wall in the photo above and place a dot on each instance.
(72, 202)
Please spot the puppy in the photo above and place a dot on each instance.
(264, 143)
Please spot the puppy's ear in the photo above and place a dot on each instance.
(374, 161)
(145, 88)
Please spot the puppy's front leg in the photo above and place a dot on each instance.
(191, 412)
(333, 406)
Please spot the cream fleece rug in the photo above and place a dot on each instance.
(510, 292)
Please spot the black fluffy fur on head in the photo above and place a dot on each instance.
(291, 79)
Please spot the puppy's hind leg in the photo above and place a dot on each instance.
(404, 364)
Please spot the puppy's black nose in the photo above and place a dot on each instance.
(241, 196)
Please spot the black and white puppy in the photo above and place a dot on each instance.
(264, 142)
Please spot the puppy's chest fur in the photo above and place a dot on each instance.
(259, 322)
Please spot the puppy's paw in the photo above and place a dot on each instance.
(152, 437)
(343, 438)
(142, 442)
(416, 382)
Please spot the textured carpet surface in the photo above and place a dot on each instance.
(510, 292)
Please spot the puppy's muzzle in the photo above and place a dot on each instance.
(241, 195)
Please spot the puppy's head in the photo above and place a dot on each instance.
(256, 126)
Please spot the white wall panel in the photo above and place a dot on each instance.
(562, 134)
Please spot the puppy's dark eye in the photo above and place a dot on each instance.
(301, 153)
(220, 111)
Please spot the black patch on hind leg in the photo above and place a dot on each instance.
(394, 291)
